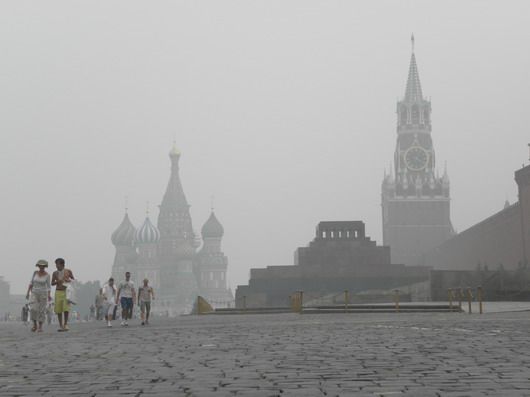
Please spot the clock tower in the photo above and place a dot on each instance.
(415, 199)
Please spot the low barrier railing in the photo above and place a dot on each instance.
(300, 300)
(466, 293)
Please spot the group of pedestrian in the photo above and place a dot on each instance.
(39, 290)
(126, 295)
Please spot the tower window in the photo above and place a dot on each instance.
(403, 116)
(415, 114)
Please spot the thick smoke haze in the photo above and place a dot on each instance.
(283, 110)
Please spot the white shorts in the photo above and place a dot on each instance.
(108, 308)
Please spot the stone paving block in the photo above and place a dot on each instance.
(409, 354)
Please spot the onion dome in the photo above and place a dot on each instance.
(148, 233)
(124, 234)
(212, 228)
(174, 152)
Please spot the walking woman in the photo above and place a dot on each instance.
(40, 290)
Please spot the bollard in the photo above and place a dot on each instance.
(450, 297)
(301, 300)
(460, 298)
(469, 297)
(294, 302)
(396, 299)
(346, 299)
(479, 297)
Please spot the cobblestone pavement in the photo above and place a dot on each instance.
(449, 354)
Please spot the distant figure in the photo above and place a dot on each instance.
(126, 295)
(49, 313)
(109, 301)
(40, 290)
(99, 301)
(60, 278)
(25, 314)
(145, 295)
(92, 314)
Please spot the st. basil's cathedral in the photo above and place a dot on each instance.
(171, 256)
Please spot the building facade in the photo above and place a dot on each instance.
(415, 199)
(499, 242)
(4, 298)
(166, 254)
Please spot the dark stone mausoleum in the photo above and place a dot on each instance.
(340, 257)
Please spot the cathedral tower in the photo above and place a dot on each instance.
(147, 246)
(211, 264)
(125, 258)
(177, 243)
(415, 200)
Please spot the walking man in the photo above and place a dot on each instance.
(126, 295)
(60, 278)
(108, 292)
(145, 295)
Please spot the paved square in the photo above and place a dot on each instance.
(424, 354)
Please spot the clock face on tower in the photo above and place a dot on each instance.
(416, 158)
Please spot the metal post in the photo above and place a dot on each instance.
(396, 299)
(346, 299)
(301, 300)
(450, 296)
(479, 296)
(294, 302)
(469, 297)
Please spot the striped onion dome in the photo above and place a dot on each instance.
(148, 233)
(124, 234)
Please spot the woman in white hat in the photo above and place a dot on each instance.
(40, 290)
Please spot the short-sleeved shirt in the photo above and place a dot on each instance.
(109, 293)
(145, 293)
(126, 289)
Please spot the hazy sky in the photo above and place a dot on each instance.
(284, 110)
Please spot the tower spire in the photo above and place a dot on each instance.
(413, 91)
